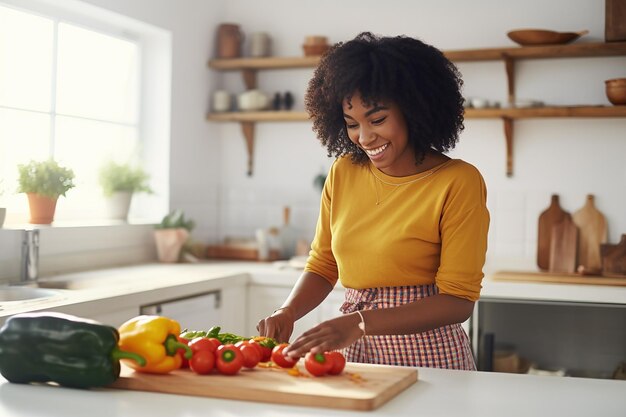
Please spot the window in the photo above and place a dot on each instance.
(70, 93)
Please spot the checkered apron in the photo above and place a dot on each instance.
(444, 347)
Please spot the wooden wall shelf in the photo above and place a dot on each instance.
(250, 66)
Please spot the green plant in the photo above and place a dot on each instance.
(123, 177)
(174, 220)
(46, 178)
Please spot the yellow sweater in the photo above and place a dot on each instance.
(427, 228)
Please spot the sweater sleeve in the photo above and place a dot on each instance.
(321, 259)
(464, 226)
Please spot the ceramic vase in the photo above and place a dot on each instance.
(118, 205)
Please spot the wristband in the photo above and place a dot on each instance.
(362, 323)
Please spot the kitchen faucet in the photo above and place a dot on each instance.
(29, 271)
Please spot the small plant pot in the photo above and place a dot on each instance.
(169, 243)
(118, 205)
(42, 208)
(3, 213)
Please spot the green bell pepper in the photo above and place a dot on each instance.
(55, 347)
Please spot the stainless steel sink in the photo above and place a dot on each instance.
(16, 293)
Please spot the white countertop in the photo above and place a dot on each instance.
(436, 393)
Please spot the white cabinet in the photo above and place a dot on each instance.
(198, 312)
(116, 318)
(264, 299)
(203, 311)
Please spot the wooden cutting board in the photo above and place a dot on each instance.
(592, 232)
(563, 246)
(548, 218)
(557, 278)
(360, 387)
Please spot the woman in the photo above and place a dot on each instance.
(403, 226)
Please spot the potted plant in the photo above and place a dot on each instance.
(43, 182)
(119, 182)
(171, 235)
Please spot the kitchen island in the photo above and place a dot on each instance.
(436, 393)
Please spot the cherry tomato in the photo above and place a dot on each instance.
(338, 361)
(202, 362)
(251, 355)
(266, 353)
(317, 364)
(216, 342)
(280, 359)
(229, 359)
(202, 343)
(181, 352)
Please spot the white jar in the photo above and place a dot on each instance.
(222, 101)
(260, 44)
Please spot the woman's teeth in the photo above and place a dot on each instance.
(376, 151)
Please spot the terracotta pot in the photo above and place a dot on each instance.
(616, 91)
(118, 205)
(42, 208)
(169, 243)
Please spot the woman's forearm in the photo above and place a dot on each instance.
(310, 290)
(419, 316)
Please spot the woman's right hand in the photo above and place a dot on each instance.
(278, 326)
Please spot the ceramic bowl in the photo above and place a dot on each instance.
(616, 91)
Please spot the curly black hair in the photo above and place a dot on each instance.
(416, 76)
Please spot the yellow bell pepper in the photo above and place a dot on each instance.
(156, 339)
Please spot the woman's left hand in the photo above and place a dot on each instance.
(330, 335)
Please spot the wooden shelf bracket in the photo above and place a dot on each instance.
(248, 134)
(249, 78)
(508, 134)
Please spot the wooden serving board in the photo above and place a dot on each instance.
(557, 278)
(593, 232)
(564, 246)
(553, 215)
(360, 387)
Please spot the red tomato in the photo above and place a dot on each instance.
(202, 343)
(280, 359)
(216, 343)
(251, 355)
(202, 362)
(338, 361)
(181, 352)
(266, 353)
(229, 359)
(317, 363)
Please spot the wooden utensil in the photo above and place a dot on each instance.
(548, 218)
(592, 232)
(563, 246)
(359, 387)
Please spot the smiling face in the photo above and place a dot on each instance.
(381, 131)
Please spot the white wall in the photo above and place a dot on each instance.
(194, 153)
(571, 157)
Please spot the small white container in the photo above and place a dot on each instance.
(222, 101)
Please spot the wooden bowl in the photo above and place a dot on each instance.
(530, 37)
(616, 91)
